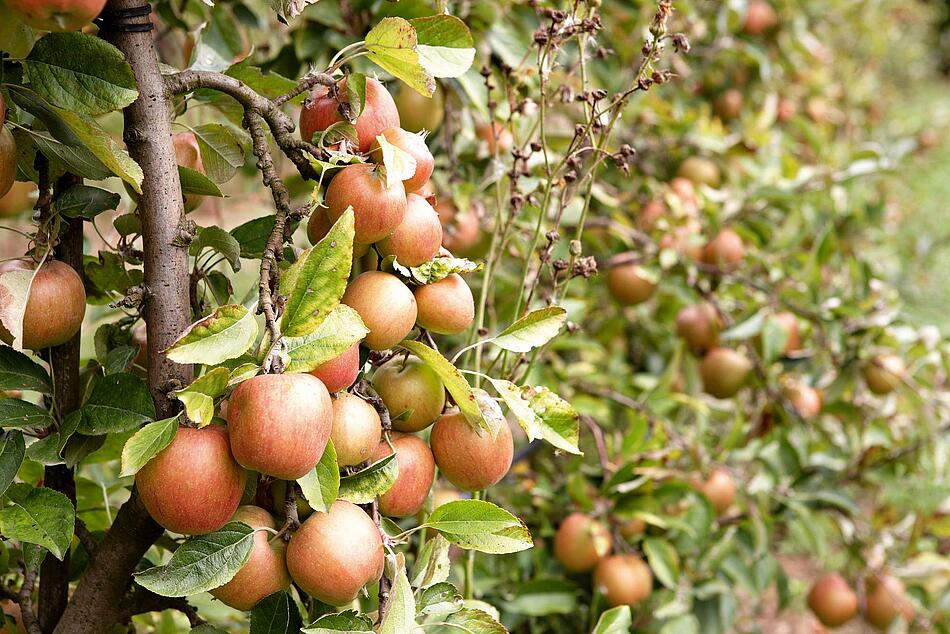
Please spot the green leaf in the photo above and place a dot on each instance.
(12, 451)
(745, 329)
(268, 84)
(146, 443)
(39, 516)
(276, 614)
(533, 330)
(491, 411)
(453, 380)
(481, 526)
(438, 268)
(348, 622)
(83, 201)
(194, 182)
(16, 36)
(391, 45)
(560, 424)
(20, 372)
(317, 280)
(519, 406)
(433, 564)
(109, 273)
(202, 563)
(471, 621)
(101, 144)
(400, 617)
(774, 338)
(541, 597)
(439, 598)
(663, 560)
(221, 151)
(225, 334)
(445, 45)
(81, 73)
(363, 486)
(198, 398)
(74, 158)
(616, 620)
(118, 403)
(339, 331)
(17, 413)
(206, 628)
(219, 241)
(400, 165)
(48, 451)
(321, 486)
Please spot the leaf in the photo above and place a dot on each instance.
(81, 73)
(533, 330)
(75, 158)
(48, 451)
(400, 617)
(219, 241)
(439, 598)
(391, 45)
(12, 451)
(101, 144)
(472, 621)
(480, 525)
(118, 403)
(120, 359)
(453, 380)
(400, 165)
(348, 622)
(338, 333)
(221, 151)
(541, 597)
(745, 329)
(362, 487)
(201, 563)
(289, 8)
(225, 334)
(206, 628)
(317, 280)
(20, 372)
(14, 294)
(663, 560)
(146, 443)
(194, 182)
(560, 424)
(321, 486)
(438, 268)
(616, 620)
(445, 45)
(109, 274)
(39, 516)
(17, 413)
(519, 406)
(266, 83)
(253, 235)
(491, 411)
(433, 564)
(198, 398)
(774, 338)
(276, 614)
(83, 201)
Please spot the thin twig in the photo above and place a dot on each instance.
(25, 601)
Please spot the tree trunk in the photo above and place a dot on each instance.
(94, 606)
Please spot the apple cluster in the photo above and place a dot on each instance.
(834, 603)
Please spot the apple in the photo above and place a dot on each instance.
(728, 105)
(11, 610)
(700, 170)
(685, 192)
(627, 284)
(786, 110)
(408, 493)
(699, 325)
(496, 136)
(418, 237)
(581, 542)
(832, 600)
(760, 18)
(18, 200)
(633, 527)
(683, 239)
(188, 154)
(56, 15)
(649, 214)
(407, 384)
(414, 145)
(469, 458)
(333, 555)
(726, 250)
(139, 339)
(417, 112)
(194, 485)
(623, 580)
(724, 372)
(378, 208)
(322, 109)
(789, 323)
(280, 423)
(805, 399)
(356, 429)
(884, 373)
(461, 230)
(340, 372)
(445, 307)
(7, 160)
(265, 571)
(719, 488)
(55, 307)
(386, 306)
(885, 599)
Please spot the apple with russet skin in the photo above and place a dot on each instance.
(408, 493)
(446, 307)
(719, 488)
(7, 160)
(725, 251)
(322, 109)
(699, 325)
(386, 306)
(580, 542)
(623, 580)
(418, 237)
(340, 372)
(832, 600)
(700, 171)
(418, 112)
(55, 307)
(56, 15)
(194, 485)
(468, 458)
(724, 371)
(266, 569)
(413, 144)
(333, 555)
(356, 429)
(407, 384)
(627, 284)
(884, 373)
(280, 423)
(884, 600)
(378, 208)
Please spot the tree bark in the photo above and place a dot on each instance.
(96, 602)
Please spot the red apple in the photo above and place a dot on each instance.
(581, 542)
(378, 208)
(418, 237)
(415, 146)
(885, 599)
(55, 307)
(725, 251)
(7, 160)
(356, 429)
(832, 600)
(698, 325)
(322, 109)
(469, 458)
(446, 307)
(340, 372)
(416, 472)
(385, 304)
(56, 15)
(719, 488)
(628, 285)
(407, 384)
(623, 580)
(724, 372)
